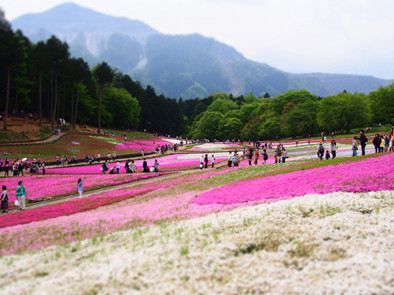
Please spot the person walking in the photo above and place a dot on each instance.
(132, 167)
(43, 168)
(363, 142)
(265, 156)
(206, 161)
(80, 186)
(156, 166)
(334, 149)
(376, 143)
(244, 154)
(202, 162)
(386, 144)
(21, 194)
(250, 156)
(117, 167)
(381, 147)
(284, 155)
(278, 153)
(320, 151)
(104, 167)
(327, 154)
(4, 200)
(354, 146)
(230, 159)
(213, 161)
(256, 156)
(6, 168)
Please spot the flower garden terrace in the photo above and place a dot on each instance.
(191, 205)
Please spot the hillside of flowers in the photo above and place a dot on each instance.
(295, 218)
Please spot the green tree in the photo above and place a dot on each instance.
(103, 75)
(222, 106)
(343, 112)
(270, 129)
(231, 129)
(207, 126)
(11, 55)
(124, 108)
(302, 119)
(383, 105)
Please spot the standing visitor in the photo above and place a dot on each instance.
(265, 156)
(145, 167)
(386, 144)
(43, 168)
(98, 158)
(363, 142)
(278, 153)
(376, 143)
(133, 167)
(20, 194)
(256, 156)
(284, 155)
(80, 187)
(320, 151)
(57, 160)
(156, 166)
(103, 168)
(334, 149)
(109, 157)
(327, 154)
(213, 161)
(117, 167)
(244, 154)
(6, 168)
(4, 200)
(202, 162)
(354, 146)
(127, 166)
(381, 148)
(237, 159)
(230, 159)
(114, 156)
(206, 161)
(142, 153)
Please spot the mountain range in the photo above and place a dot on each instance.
(186, 66)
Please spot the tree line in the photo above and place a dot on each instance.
(292, 114)
(43, 78)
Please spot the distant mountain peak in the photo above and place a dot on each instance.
(175, 65)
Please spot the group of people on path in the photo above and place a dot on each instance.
(19, 165)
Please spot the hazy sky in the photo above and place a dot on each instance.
(332, 36)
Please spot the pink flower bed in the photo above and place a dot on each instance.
(138, 145)
(164, 162)
(372, 174)
(70, 221)
(69, 207)
(56, 185)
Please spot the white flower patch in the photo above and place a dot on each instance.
(340, 243)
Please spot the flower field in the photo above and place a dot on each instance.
(171, 161)
(373, 174)
(56, 185)
(214, 230)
